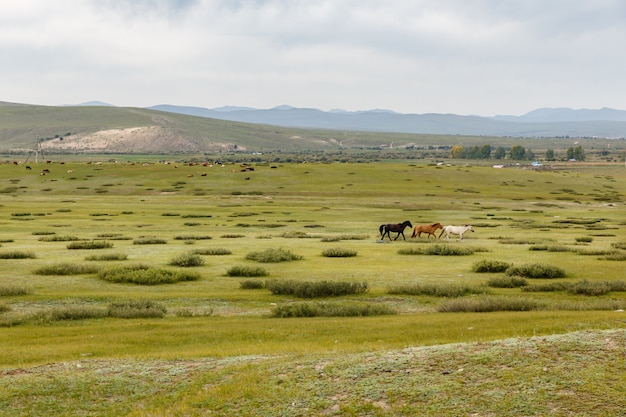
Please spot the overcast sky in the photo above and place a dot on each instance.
(482, 57)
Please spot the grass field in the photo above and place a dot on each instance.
(205, 345)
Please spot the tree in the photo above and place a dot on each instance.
(518, 153)
(485, 152)
(576, 153)
(550, 155)
(499, 153)
(457, 151)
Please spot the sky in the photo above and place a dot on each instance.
(468, 57)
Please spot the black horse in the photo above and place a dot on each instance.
(385, 229)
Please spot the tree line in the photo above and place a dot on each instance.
(515, 153)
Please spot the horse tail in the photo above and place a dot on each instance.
(414, 232)
(443, 230)
(380, 229)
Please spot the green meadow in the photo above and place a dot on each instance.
(146, 288)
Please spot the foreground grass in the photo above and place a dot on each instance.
(576, 374)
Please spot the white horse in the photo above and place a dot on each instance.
(456, 230)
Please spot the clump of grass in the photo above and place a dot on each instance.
(490, 266)
(149, 240)
(619, 245)
(212, 251)
(536, 271)
(585, 287)
(315, 289)
(549, 248)
(43, 233)
(107, 257)
(549, 287)
(4, 307)
(488, 304)
(135, 309)
(273, 256)
(326, 309)
(145, 275)
(584, 239)
(616, 257)
(17, 254)
(187, 260)
(252, 284)
(192, 237)
(13, 290)
(246, 271)
(70, 312)
(90, 244)
(436, 290)
(437, 250)
(55, 238)
(507, 282)
(66, 268)
(339, 253)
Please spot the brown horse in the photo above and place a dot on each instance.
(426, 228)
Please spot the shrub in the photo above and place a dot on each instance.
(550, 287)
(11, 291)
(187, 260)
(310, 309)
(313, 289)
(187, 237)
(16, 254)
(246, 271)
(536, 271)
(91, 244)
(437, 290)
(149, 240)
(339, 253)
(596, 287)
(507, 282)
(55, 238)
(4, 307)
(438, 250)
(490, 266)
(273, 255)
(144, 275)
(252, 284)
(584, 239)
(73, 313)
(66, 269)
(212, 251)
(549, 248)
(134, 309)
(488, 304)
(107, 257)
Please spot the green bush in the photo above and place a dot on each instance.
(507, 282)
(145, 275)
(437, 290)
(149, 240)
(213, 251)
(536, 271)
(186, 260)
(317, 309)
(437, 250)
(252, 284)
(313, 289)
(107, 257)
(488, 304)
(339, 253)
(273, 256)
(66, 269)
(247, 271)
(16, 254)
(490, 266)
(90, 244)
(12, 290)
(585, 287)
(134, 309)
(550, 287)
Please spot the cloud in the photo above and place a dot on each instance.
(478, 57)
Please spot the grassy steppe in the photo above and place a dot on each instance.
(218, 350)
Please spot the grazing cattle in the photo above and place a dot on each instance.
(28, 168)
(456, 230)
(426, 228)
(385, 229)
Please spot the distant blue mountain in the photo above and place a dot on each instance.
(547, 122)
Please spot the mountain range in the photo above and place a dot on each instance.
(545, 122)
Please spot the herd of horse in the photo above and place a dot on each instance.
(387, 229)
